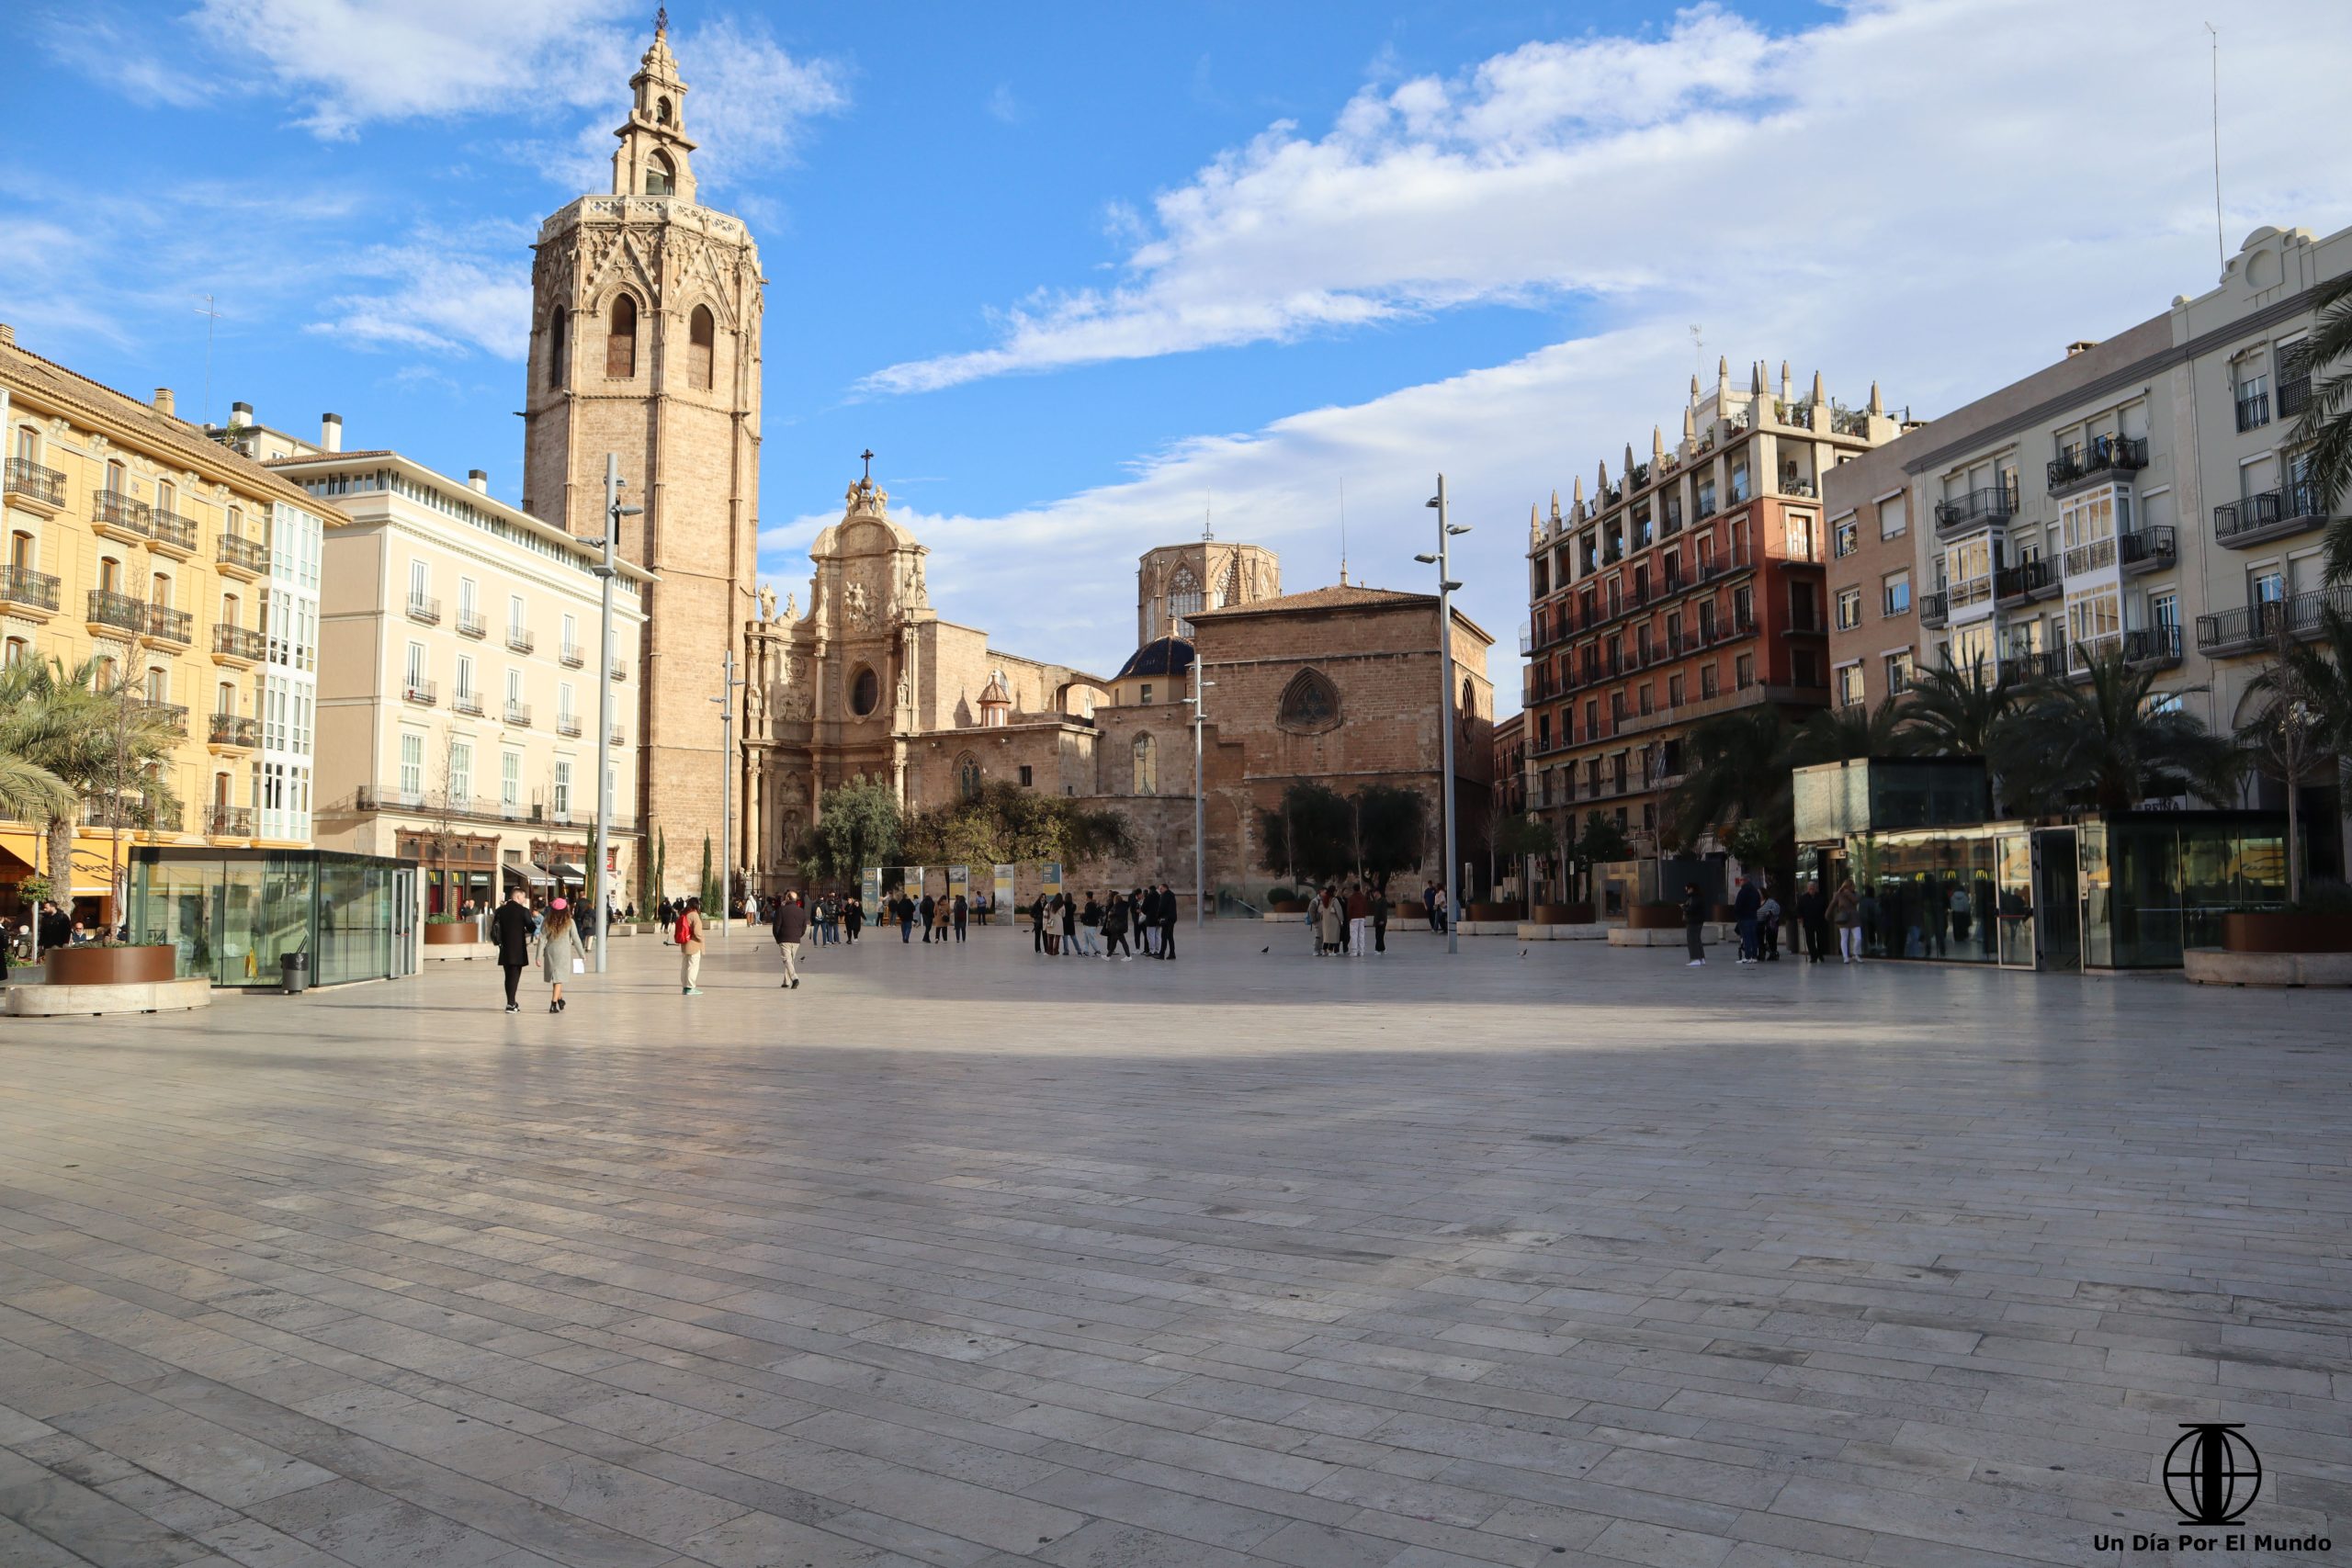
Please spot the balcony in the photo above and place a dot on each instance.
(241, 556)
(2025, 667)
(2029, 579)
(172, 534)
(28, 592)
(620, 670)
(467, 702)
(2254, 411)
(2103, 460)
(571, 655)
(2302, 616)
(518, 714)
(616, 739)
(42, 488)
(424, 609)
(166, 626)
(229, 822)
(566, 726)
(238, 644)
(118, 516)
(2151, 647)
(1935, 609)
(520, 639)
(2273, 514)
(471, 624)
(232, 733)
(2294, 396)
(423, 693)
(1977, 509)
(2150, 549)
(172, 716)
(111, 612)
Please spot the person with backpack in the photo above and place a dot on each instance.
(791, 924)
(686, 930)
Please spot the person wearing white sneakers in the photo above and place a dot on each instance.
(1694, 924)
(1845, 914)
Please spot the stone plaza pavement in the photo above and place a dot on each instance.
(1570, 1257)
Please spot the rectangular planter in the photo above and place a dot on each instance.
(2279, 931)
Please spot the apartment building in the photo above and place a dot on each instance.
(1691, 585)
(2142, 493)
(457, 707)
(190, 574)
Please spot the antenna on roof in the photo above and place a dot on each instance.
(1343, 533)
(211, 316)
(2220, 248)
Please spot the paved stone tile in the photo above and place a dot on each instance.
(1576, 1258)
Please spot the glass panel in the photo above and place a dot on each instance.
(285, 916)
(2061, 903)
(2015, 879)
(2098, 900)
(176, 902)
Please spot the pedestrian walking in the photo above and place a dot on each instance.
(1070, 926)
(963, 915)
(927, 909)
(1744, 907)
(906, 912)
(1767, 925)
(854, 917)
(1694, 923)
(1037, 925)
(1812, 916)
(790, 925)
(510, 929)
(560, 953)
(1845, 914)
(942, 915)
(1380, 919)
(1167, 922)
(1115, 931)
(686, 930)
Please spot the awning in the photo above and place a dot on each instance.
(566, 872)
(526, 870)
(19, 853)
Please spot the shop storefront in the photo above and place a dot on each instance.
(233, 914)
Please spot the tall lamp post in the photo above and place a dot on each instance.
(600, 900)
(1443, 560)
(1200, 795)
(726, 701)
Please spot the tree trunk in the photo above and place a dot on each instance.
(2294, 849)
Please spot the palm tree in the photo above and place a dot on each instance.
(1954, 713)
(2303, 718)
(1738, 769)
(94, 739)
(2103, 743)
(1845, 735)
(2325, 431)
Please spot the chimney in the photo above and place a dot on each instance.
(330, 433)
(240, 415)
(478, 481)
(163, 402)
(2081, 345)
(8, 335)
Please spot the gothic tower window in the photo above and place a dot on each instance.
(559, 331)
(660, 174)
(620, 340)
(662, 111)
(702, 339)
(967, 777)
(1147, 765)
(1184, 599)
(1309, 703)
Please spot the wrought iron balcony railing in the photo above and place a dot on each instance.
(23, 585)
(236, 550)
(28, 478)
(240, 642)
(232, 729)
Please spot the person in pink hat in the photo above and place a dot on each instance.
(560, 955)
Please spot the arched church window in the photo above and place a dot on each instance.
(865, 692)
(1310, 702)
(702, 340)
(1184, 599)
(660, 174)
(620, 340)
(1147, 765)
(1467, 711)
(967, 777)
(662, 111)
(558, 334)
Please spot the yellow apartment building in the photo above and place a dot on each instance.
(191, 572)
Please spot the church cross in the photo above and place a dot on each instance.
(868, 456)
(661, 19)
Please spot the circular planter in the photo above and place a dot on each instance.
(451, 933)
(1655, 917)
(2277, 931)
(111, 965)
(1563, 915)
(1497, 912)
(1413, 909)
(1288, 906)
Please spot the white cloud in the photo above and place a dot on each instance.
(1004, 106)
(452, 294)
(1927, 143)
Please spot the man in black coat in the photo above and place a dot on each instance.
(930, 916)
(1167, 922)
(790, 926)
(510, 929)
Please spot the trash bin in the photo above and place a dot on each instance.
(294, 973)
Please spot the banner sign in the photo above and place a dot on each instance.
(870, 892)
(1002, 899)
(1049, 877)
(914, 883)
(959, 883)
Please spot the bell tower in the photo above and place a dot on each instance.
(645, 342)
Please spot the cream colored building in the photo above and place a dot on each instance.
(192, 573)
(457, 703)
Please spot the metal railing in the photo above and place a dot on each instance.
(2029, 578)
(471, 623)
(1935, 609)
(235, 549)
(425, 608)
(460, 807)
(29, 479)
(2151, 645)
(2257, 517)
(239, 642)
(2032, 665)
(122, 611)
(23, 585)
(231, 730)
(620, 670)
(174, 714)
(2301, 615)
(571, 655)
(1989, 504)
(2254, 409)
(171, 530)
(424, 694)
(113, 509)
(2149, 549)
(228, 821)
(167, 624)
(518, 714)
(2294, 396)
(2104, 457)
(520, 639)
(566, 726)
(467, 702)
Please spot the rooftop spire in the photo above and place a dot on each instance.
(1878, 404)
(653, 157)
(1820, 394)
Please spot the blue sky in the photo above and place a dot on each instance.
(1076, 276)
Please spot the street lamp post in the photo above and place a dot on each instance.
(1200, 795)
(602, 900)
(726, 701)
(1443, 560)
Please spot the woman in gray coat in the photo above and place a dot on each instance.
(559, 947)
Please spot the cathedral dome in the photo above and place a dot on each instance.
(1162, 656)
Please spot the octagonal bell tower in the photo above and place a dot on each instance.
(645, 342)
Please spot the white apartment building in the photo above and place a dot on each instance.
(459, 678)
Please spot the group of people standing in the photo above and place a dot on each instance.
(1354, 922)
(1758, 917)
(1061, 927)
(937, 917)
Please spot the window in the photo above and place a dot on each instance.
(1146, 694)
(416, 667)
(420, 585)
(1146, 766)
(1184, 600)
(2094, 619)
(1895, 593)
(2254, 401)
(118, 478)
(864, 692)
(1805, 666)
(411, 765)
(2164, 610)
(465, 676)
(1845, 538)
(967, 777)
(469, 600)
(1674, 691)
(620, 341)
(702, 343)
(1744, 671)
(509, 779)
(1743, 606)
(2087, 529)
(571, 633)
(1310, 702)
(461, 772)
(18, 651)
(562, 791)
(1850, 686)
(1026, 780)
(1739, 482)
(1801, 535)
(563, 702)
(558, 334)
(513, 684)
(515, 616)
(660, 174)
(1898, 670)
(2266, 585)
(1850, 608)
(1893, 516)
